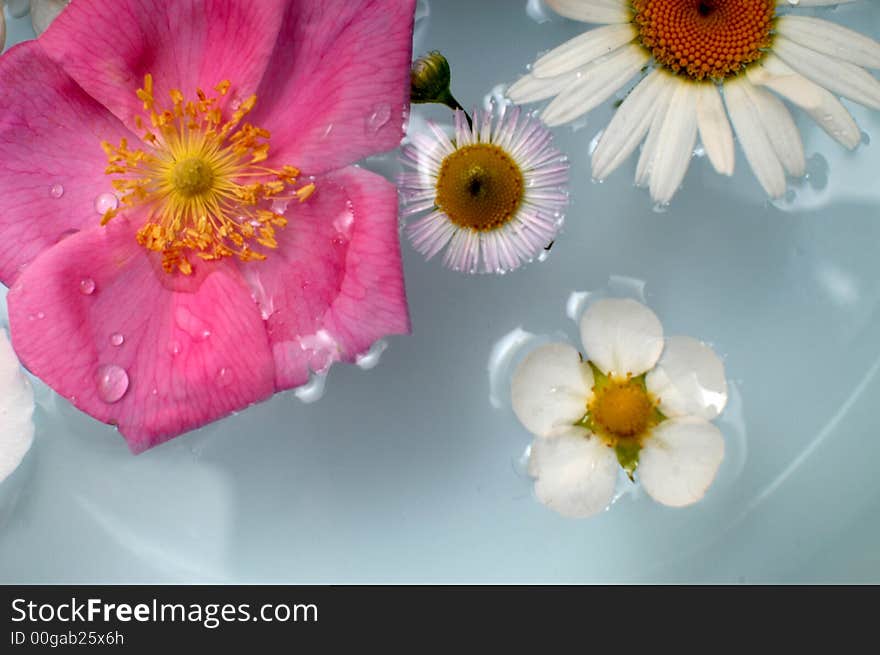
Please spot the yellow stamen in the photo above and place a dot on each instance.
(200, 181)
(622, 409)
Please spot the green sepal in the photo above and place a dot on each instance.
(628, 456)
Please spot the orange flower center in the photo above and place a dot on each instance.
(622, 409)
(480, 187)
(201, 181)
(705, 39)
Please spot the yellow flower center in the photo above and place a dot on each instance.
(200, 180)
(705, 39)
(192, 177)
(480, 187)
(622, 409)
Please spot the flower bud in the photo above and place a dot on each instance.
(430, 78)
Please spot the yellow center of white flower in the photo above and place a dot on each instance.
(200, 180)
(480, 187)
(705, 39)
(622, 409)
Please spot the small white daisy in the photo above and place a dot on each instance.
(636, 400)
(688, 51)
(494, 194)
(16, 410)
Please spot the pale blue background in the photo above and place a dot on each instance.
(406, 472)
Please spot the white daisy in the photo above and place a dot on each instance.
(494, 194)
(636, 400)
(687, 52)
(16, 410)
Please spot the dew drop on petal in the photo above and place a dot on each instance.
(279, 206)
(224, 377)
(56, 191)
(87, 286)
(116, 339)
(112, 381)
(174, 348)
(105, 202)
(370, 358)
(380, 115)
(191, 324)
(235, 103)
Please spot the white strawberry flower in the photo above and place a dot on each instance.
(634, 400)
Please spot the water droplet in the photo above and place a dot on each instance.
(501, 358)
(105, 202)
(537, 11)
(112, 381)
(56, 191)
(155, 391)
(370, 358)
(313, 390)
(279, 206)
(235, 103)
(87, 286)
(379, 117)
(342, 223)
(116, 339)
(174, 348)
(224, 377)
(191, 324)
(41, 315)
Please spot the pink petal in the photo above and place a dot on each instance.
(335, 284)
(184, 44)
(193, 349)
(338, 84)
(50, 145)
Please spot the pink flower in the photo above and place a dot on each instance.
(191, 291)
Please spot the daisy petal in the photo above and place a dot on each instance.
(756, 145)
(822, 105)
(550, 389)
(628, 126)
(592, 11)
(649, 151)
(16, 408)
(621, 336)
(575, 474)
(689, 380)
(715, 131)
(529, 88)
(679, 460)
(678, 136)
(836, 75)
(584, 49)
(780, 129)
(811, 3)
(831, 39)
(598, 83)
